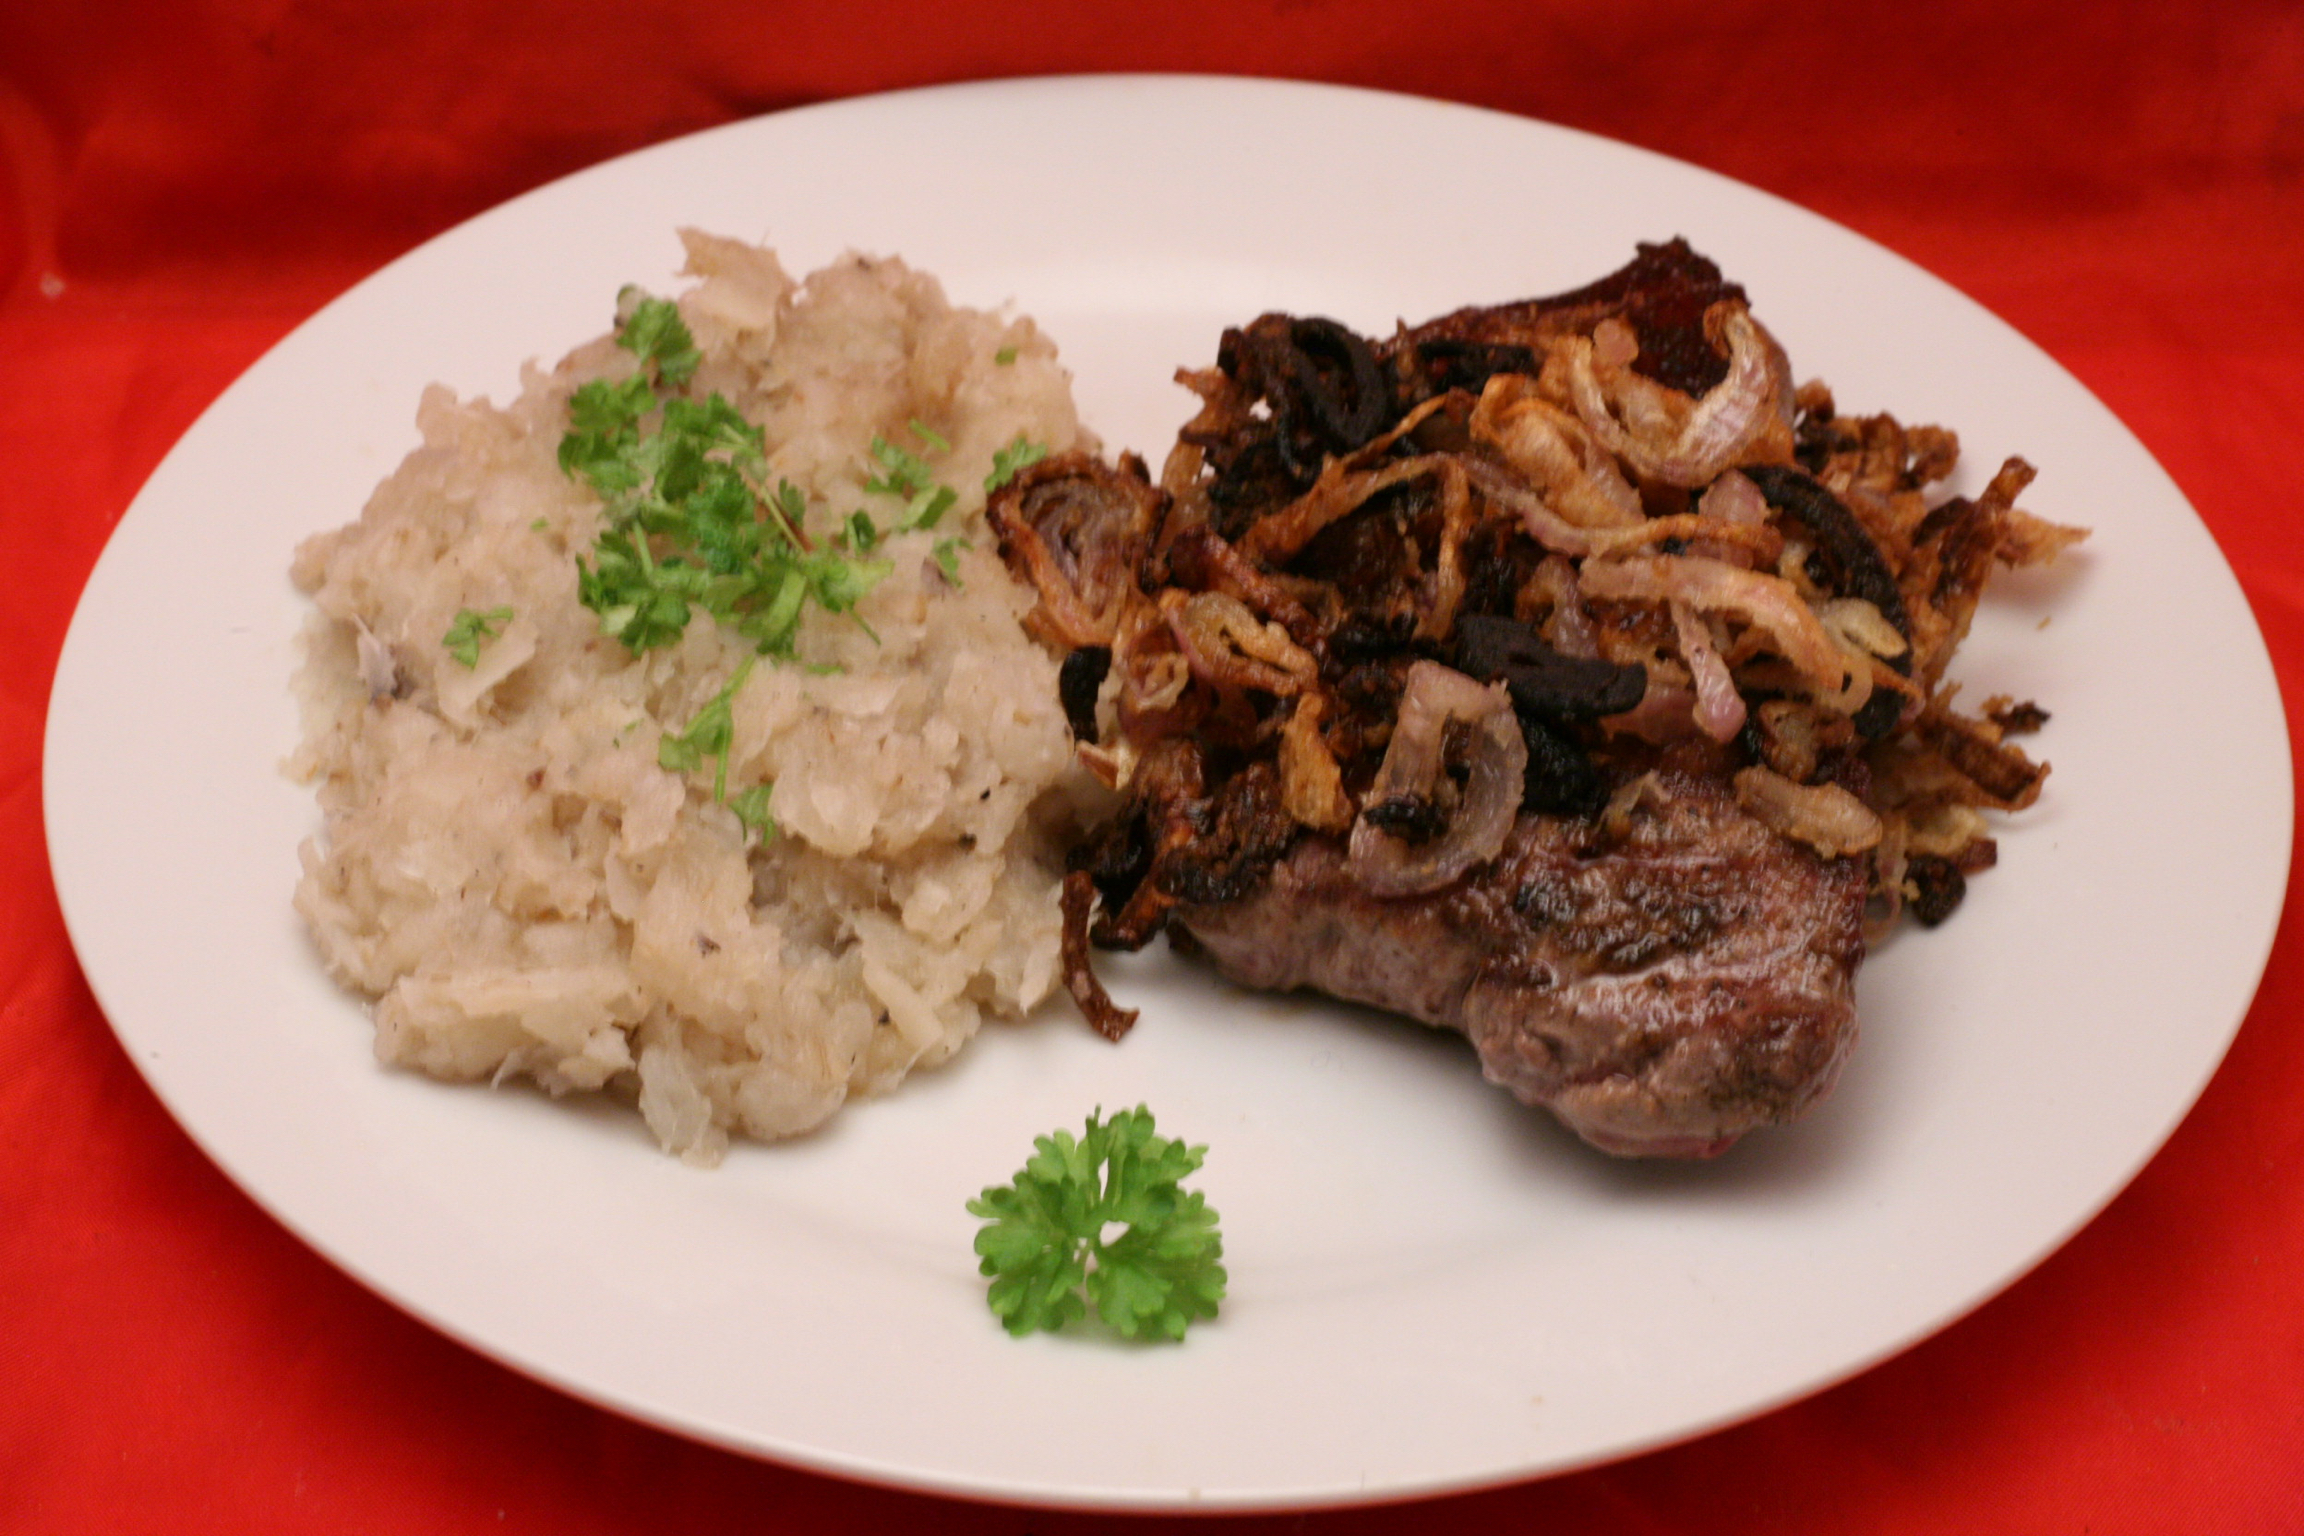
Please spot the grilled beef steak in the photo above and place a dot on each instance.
(1662, 988)
(1556, 672)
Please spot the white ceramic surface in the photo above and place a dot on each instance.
(1431, 1288)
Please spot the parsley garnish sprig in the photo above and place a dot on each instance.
(1045, 1239)
(472, 628)
(709, 736)
(1008, 461)
(906, 476)
(692, 521)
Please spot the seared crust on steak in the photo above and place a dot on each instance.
(1663, 985)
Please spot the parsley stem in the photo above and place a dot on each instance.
(791, 526)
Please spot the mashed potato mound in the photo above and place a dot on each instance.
(520, 888)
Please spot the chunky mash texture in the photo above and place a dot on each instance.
(506, 868)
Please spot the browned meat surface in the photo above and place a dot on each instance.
(1662, 293)
(1662, 988)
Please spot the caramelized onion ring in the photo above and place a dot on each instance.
(1555, 452)
(1824, 816)
(1075, 528)
(1548, 528)
(1719, 711)
(1386, 865)
(1713, 586)
(1227, 646)
(1661, 433)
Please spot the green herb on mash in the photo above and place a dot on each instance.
(691, 521)
(1044, 1240)
(710, 735)
(1007, 461)
(906, 476)
(470, 629)
(751, 808)
(947, 553)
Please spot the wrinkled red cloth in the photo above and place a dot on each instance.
(181, 184)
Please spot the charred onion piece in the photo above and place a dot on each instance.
(1077, 529)
(1549, 689)
(1387, 865)
(2004, 778)
(1854, 564)
(1321, 381)
(1544, 682)
(1438, 364)
(1077, 683)
(1561, 780)
(1107, 1017)
(1935, 886)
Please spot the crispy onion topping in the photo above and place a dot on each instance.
(1574, 476)
(1108, 1018)
(1227, 646)
(1735, 501)
(1340, 490)
(1861, 626)
(1713, 586)
(1719, 711)
(1402, 593)
(1153, 672)
(1311, 785)
(1386, 864)
(1752, 538)
(1824, 816)
(1075, 528)
(1733, 498)
(1661, 433)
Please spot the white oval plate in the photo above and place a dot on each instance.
(1431, 1288)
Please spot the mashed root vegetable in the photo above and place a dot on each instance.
(522, 890)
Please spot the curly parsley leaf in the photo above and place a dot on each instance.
(652, 330)
(906, 476)
(947, 554)
(692, 521)
(470, 629)
(751, 808)
(708, 737)
(1006, 462)
(1049, 1246)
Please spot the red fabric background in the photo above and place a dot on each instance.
(181, 184)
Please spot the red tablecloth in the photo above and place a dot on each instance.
(181, 184)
